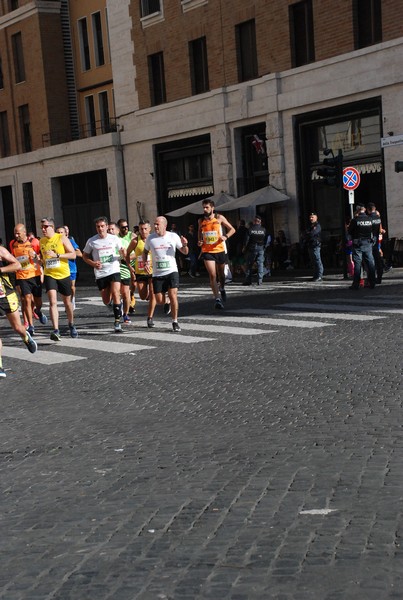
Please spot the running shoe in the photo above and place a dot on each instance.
(223, 295)
(31, 330)
(2, 372)
(150, 323)
(73, 331)
(218, 304)
(117, 327)
(126, 319)
(132, 310)
(175, 326)
(55, 335)
(42, 318)
(35, 314)
(30, 344)
(167, 308)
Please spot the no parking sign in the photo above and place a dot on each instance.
(351, 178)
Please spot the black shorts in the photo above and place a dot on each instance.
(163, 283)
(63, 286)
(142, 277)
(9, 304)
(104, 282)
(32, 286)
(219, 257)
(125, 281)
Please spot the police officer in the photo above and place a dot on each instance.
(254, 248)
(377, 231)
(361, 229)
(312, 238)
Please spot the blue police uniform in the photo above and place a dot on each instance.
(361, 230)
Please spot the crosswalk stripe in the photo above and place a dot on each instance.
(343, 307)
(369, 300)
(261, 321)
(41, 356)
(318, 315)
(100, 346)
(224, 329)
(158, 336)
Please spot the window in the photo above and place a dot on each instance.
(13, 4)
(4, 135)
(149, 7)
(25, 128)
(104, 111)
(98, 39)
(367, 22)
(18, 56)
(246, 50)
(91, 125)
(29, 205)
(198, 65)
(301, 33)
(84, 46)
(157, 78)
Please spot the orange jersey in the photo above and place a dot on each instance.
(211, 233)
(25, 254)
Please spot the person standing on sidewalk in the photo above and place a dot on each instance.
(361, 229)
(56, 250)
(163, 245)
(103, 253)
(312, 239)
(254, 249)
(9, 302)
(212, 241)
(378, 232)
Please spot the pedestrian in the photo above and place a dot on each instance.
(126, 237)
(212, 239)
(103, 252)
(236, 249)
(56, 250)
(142, 278)
(9, 302)
(254, 250)
(28, 277)
(72, 262)
(312, 238)
(378, 232)
(361, 230)
(163, 244)
(191, 237)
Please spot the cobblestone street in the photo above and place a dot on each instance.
(257, 455)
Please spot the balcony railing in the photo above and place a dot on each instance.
(86, 130)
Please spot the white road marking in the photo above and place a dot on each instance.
(99, 346)
(179, 338)
(369, 300)
(344, 307)
(260, 321)
(223, 329)
(41, 356)
(318, 315)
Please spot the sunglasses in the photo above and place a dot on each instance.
(45, 226)
(124, 227)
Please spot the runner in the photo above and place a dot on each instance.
(9, 302)
(126, 237)
(103, 252)
(73, 265)
(162, 244)
(56, 250)
(136, 266)
(28, 277)
(212, 241)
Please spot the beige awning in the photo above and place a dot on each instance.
(266, 195)
(196, 207)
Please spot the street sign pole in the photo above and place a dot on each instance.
(342, 212)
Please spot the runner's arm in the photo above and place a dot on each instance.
(13, 265)
(228, 226)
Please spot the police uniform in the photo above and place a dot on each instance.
(361, 230)
(376, 220)
(255, 251)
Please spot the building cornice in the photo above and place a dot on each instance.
(33, 8)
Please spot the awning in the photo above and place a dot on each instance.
(266, 195)
(196, 207)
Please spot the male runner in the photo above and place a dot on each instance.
(137, 269)
(73, 265)
(212, 241)
(103, 253)
(9, 302)
(28, 277)
(126, 237)
(162, 244)
(56, 250)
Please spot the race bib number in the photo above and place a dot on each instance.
(24, 262)
(52, 263)
(210, 237)
(106, 256)
(141, 265)
(163, 264)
